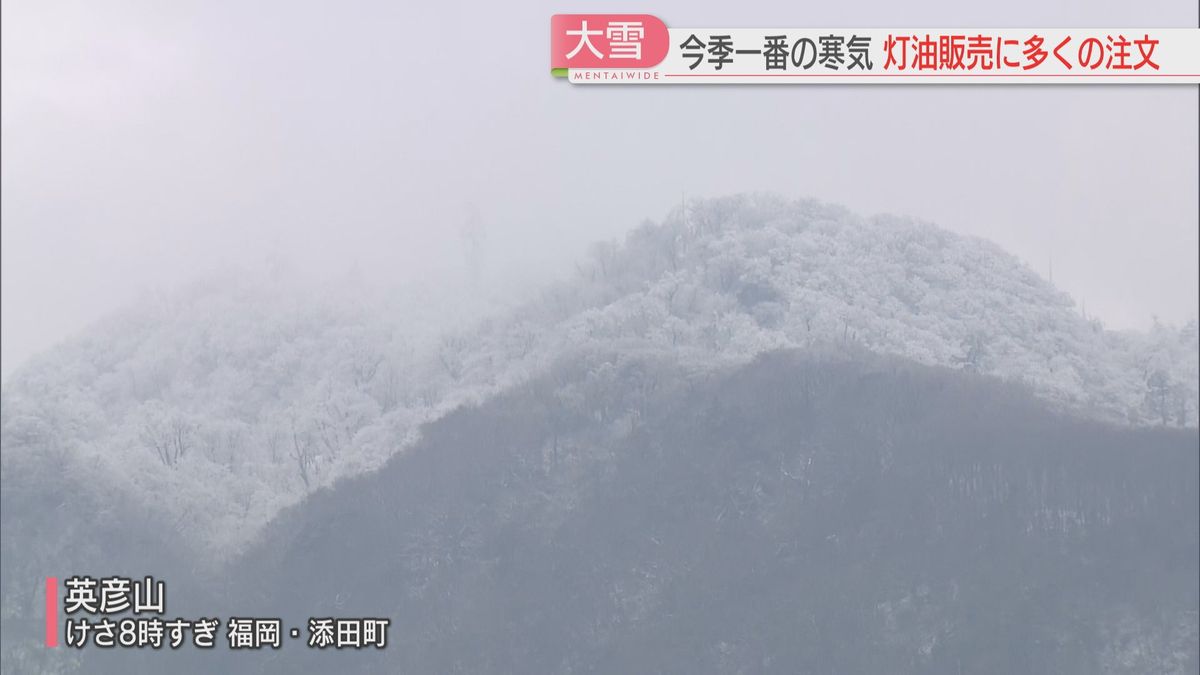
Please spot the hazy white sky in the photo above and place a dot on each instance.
(146, 143)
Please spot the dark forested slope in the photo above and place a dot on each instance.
(798, 514)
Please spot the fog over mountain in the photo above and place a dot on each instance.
(149, 143)
(821, 378)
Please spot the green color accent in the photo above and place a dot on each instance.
(558, 72)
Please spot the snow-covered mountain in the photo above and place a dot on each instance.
(218, 405)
